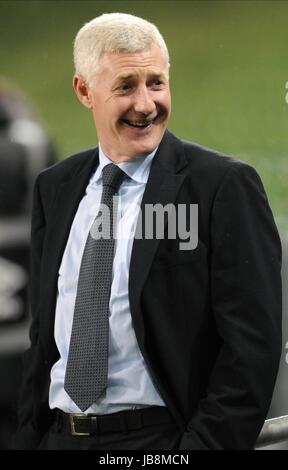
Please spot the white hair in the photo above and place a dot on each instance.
(113, 33)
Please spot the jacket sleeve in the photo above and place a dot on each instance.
(26, 436)
(246, 303)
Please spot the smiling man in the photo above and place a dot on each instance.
(137, 343)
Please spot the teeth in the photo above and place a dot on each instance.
(140, 124)
(137, 124)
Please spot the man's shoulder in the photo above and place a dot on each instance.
(212, 165)
(202, 157)
(210, 159)
(65, 168)
(207, 168)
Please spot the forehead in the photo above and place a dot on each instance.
(123, 64)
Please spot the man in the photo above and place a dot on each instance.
(194, 331)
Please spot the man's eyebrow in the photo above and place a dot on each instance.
(124, 76)
(129, 76)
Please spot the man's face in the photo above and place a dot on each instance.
(131, 103)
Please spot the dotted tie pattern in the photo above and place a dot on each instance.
(87, 366)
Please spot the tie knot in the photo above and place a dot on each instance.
(112, 175)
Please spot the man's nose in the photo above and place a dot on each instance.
(143, 102)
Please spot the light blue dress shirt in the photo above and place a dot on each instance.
(129, 382)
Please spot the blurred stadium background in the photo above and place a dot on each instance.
(229, 70)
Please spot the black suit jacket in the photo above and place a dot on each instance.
(207, 321)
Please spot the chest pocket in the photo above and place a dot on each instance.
(168, 259)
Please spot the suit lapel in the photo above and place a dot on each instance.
(162, 187)
(67, 199)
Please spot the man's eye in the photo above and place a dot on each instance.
(124, 87)
(157, 83)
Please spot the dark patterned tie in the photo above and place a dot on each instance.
(87, 366)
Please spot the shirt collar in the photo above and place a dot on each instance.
(137, 169)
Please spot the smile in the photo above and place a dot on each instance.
(139, 124)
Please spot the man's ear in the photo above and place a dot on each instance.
(82, 91)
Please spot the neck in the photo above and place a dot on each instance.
(118, 157)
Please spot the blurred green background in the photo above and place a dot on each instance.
(229, 69)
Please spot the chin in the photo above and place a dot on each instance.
(147, 146)
(143, 150)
